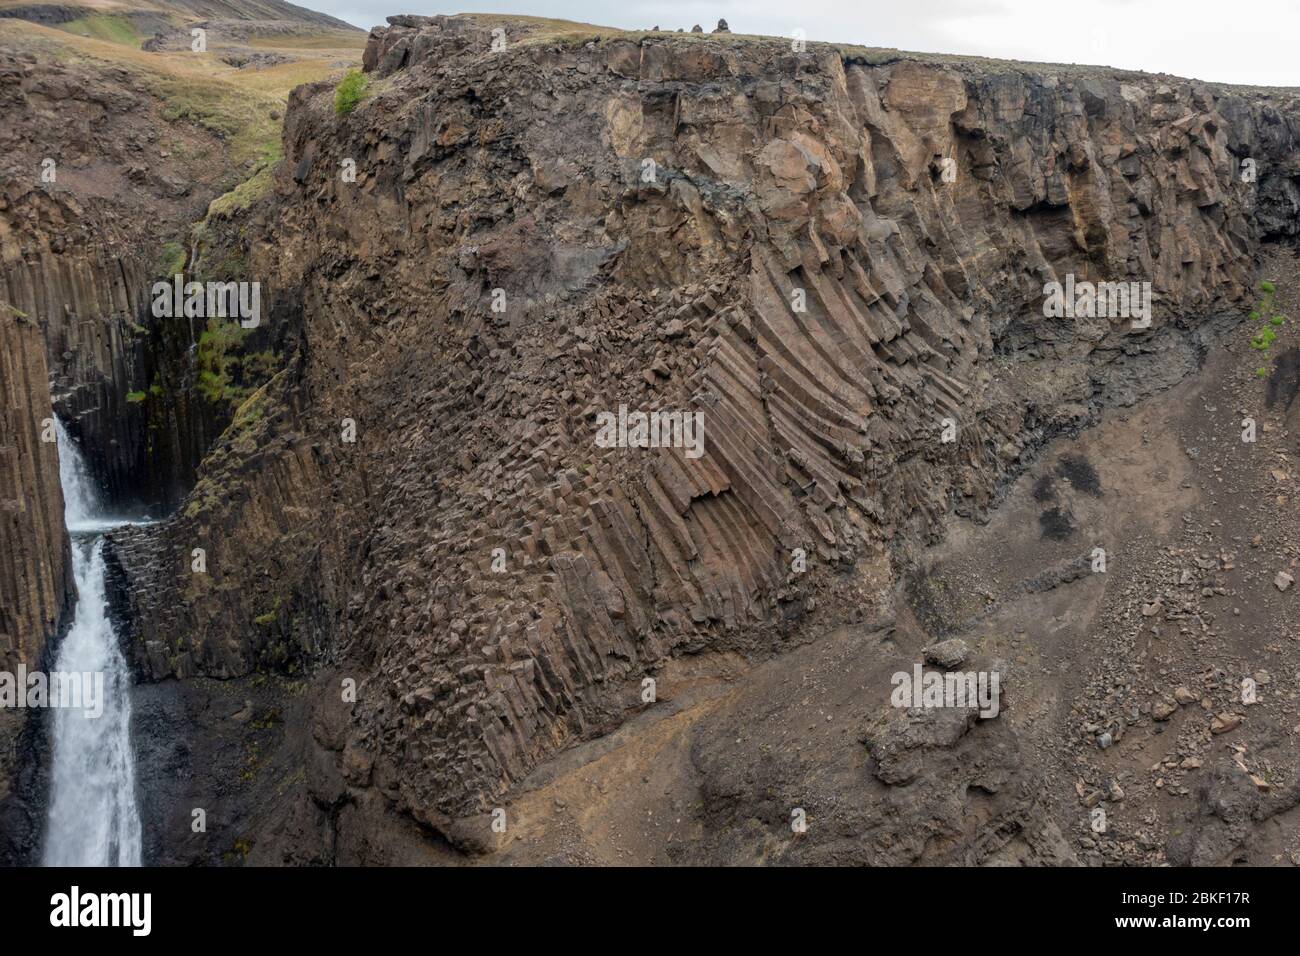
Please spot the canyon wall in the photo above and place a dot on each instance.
(104, 166)
(837, 258)
(35, 566)
(36, 589)
(102, 178)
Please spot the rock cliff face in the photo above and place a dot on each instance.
(36, 587)
(107, 158)
(838, 259)
(35, 575)
(99, 184)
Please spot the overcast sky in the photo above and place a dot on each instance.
(1225, 40)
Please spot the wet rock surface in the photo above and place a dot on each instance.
(36, 589)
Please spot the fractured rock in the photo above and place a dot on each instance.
(947, 654)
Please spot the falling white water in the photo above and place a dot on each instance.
(81, 508)
(93, 816)
(79, 498)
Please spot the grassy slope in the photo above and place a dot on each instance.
(182, 11)
(237, 105)
(312, 41)
(110, 27)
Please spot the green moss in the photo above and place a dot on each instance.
(267, 619)
(204, 497)
(227, 374)
(1265, 337)
(349, 92)
(135, 397)
(250, 412)
(249, 191)
(171, 259)
(269, 719)
(217, 361)
(261, 365)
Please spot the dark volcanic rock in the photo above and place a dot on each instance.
(833, 263)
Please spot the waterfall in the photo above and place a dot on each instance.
(79, 498)
(93, 819)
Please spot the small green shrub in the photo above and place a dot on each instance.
(1263, 340)
(269, 618)
(349, 92)
(1265, 337)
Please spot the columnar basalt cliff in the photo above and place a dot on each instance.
(98, 184)
(36, 587)
(106, 168)
(108, 158)
(35, 579)
(832, 255)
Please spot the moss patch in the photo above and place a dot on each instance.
(227, 374)
(171, 259)
(249, 191)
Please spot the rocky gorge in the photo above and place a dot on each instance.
(398, 592)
